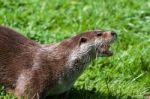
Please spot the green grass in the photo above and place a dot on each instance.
(126, 75)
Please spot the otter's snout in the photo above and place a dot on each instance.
(109, 36)
(107, 39)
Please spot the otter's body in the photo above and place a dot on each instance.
(31, 70)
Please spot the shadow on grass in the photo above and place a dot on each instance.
(86, 94)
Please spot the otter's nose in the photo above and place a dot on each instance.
(114, 34)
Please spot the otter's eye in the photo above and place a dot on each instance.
(99, 34)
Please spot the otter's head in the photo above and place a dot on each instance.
(97, 43)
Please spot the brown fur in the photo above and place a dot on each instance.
(30, 69)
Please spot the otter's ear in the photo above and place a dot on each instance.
(82, 40)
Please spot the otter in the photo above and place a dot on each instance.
(31, 70)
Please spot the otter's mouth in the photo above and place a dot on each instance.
(103, 50)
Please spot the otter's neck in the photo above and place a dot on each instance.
(66, 63)
(78, 60)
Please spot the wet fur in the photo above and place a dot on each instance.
(31, 70)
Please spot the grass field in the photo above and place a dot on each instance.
(126, 75)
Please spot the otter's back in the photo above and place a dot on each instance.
(12, 45)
